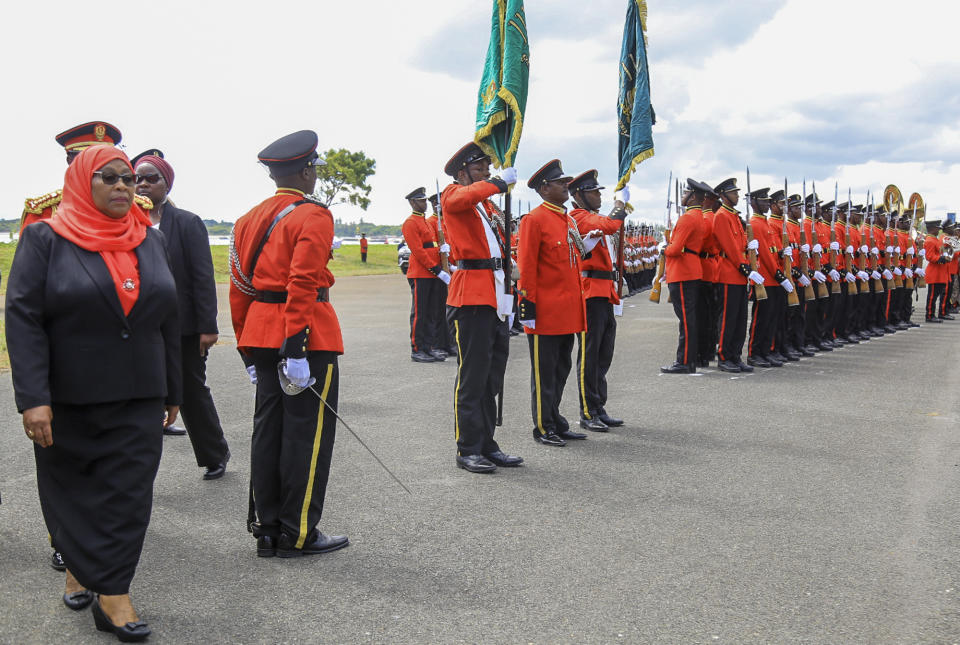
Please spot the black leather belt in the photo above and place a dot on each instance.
(429, 245)
(690, 251)
(704, 255)
(280, 297)
(496, 264)
(599, 275)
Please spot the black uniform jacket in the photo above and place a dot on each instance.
(68, 339)
(188, 246)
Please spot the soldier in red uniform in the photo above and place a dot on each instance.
(707, 302)
(363, 247)
(280, 304)
(936, 272)
(908, 263)
(796, 315)
(682, 273)
(443, 334)
(780, 348)
(426, 278)
(479, 304)
(766, 313)
(600, 290)
(552, 305)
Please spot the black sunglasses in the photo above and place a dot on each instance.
(111, 178)
(152, 178)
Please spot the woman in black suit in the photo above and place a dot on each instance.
(94, 343)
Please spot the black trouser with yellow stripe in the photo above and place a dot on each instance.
(550, 363)
(483, 345)
(595, 356)
(424, 309)
(292, 446)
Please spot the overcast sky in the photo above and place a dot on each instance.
(864, 92)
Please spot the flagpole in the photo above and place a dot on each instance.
(507, 260)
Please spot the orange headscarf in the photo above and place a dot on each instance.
(81, 222)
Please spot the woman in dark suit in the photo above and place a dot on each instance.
(94, 343)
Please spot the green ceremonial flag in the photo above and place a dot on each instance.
(502, 99)
(635, 116)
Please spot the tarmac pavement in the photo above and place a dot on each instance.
(814, 503)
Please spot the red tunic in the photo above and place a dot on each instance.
(550, 271)
(682, 255)
(732, 242)
(464, 231)
(767, 263)
(709, 266)
(599, 259)
(421, 239)
(294, 260)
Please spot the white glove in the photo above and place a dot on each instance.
(753, 245)
(531, 324)
(805, 248)
(834, 246)
(662, 246)
(453, 267)
(875, 251)
(787, 252)
(443, 275)
(896, 249)
(849, 249)
(834, 275)
(863, 275)
(819, 277)
(864, 249)
(889, 249)
(589, 243)
(298, 371)
(887, 274)
(508, 175)
(908, 273)
(911, 251)
(897, 271)
(786, 284)
(252, 372)
(336, 244)
(922, 253)
(755, 278)
(803, 280)
(510, 320)
(875, 275)
(920, 272)
(817, 248)
(624, 195)
(850, 277)
(444, 248)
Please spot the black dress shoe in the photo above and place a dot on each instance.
(876, 331)
(549, 439)
(728, 366)
(703, 362)
(853, 340)
(315, 543)
(793, 356)
(438, 354)
(451, 351)
(947, 317)
(611, 422)
(501, 458)
(934, 320)
(773, 361)
(902, 326)
(777, 356)
(128, 633)
(422, 357)
(216, 472)
(78, 599)
(174, 431)
(266, 546)
(679, 368)
(744, 367)
(570, 435)
(825, 346)
(890, 329)
(912, 324)
(810, 350)
(593, 424)
(56, 561)
(758, 361)
(807, 352)
(475, 464)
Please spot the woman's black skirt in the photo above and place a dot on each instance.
(96, 487)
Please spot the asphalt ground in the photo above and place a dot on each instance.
(815, 503)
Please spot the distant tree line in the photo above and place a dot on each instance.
(341, 229)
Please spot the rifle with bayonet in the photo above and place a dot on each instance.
(445, 257)
(875, 257)
(853, 288)
(908, 281)
(816, 256)
(793, 298)
(892, 244)
(809, 291)
(834, 256)
(661, 262)
(759, 292)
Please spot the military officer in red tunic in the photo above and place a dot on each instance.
(479, 303)
(600, 290)
(426, 278)
(552, 307)
(280, 304)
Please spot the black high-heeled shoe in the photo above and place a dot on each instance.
(78, 600)
(129, 633)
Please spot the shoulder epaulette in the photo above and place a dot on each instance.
(37, 205)
(314, 200)
(143, 202)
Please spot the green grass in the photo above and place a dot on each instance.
(381, 258)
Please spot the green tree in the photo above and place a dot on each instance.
(344, 179)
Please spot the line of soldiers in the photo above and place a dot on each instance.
(819, 276)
